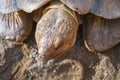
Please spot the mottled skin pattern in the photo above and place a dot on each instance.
(56, 33)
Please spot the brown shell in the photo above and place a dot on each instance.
(56, 33)
(101, 34)
(15, 26)
(106, 8)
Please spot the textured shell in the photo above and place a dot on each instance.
(15, 26)
(31, 5)
(101, 34)
(106, 8)
(8, 6)
(56, 33)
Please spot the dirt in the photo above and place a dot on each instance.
(19, 61)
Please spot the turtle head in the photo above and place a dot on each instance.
(50, 47)
(56, 32)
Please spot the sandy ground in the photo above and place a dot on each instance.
(18, 61)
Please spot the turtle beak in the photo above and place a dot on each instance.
(51, 49)
(46, 54)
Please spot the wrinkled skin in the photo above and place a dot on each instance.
(56, 33)
(37, 14)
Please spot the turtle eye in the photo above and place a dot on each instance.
(58, 42)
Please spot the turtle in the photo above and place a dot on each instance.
(101, 30)
(58, 21)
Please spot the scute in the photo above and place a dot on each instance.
(101, 34)
(109, 9)
(30, 5)
(81, 6)
(8, 6)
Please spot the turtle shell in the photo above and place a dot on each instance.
(8, 6)
(31, 5)
(101, 34)
(106, 8)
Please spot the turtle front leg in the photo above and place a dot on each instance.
(15, 26)
(55, 33)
